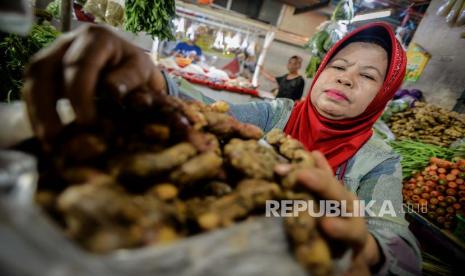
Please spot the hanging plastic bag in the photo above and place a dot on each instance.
(236, 41)
(114, 14)
(191, 31)
(343, 11)
(336, 31)
(251, 48)
(97, 8)
(245, 43)
(445, 8)
(454, 12)
(219, 41)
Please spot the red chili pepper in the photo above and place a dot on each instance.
(454, 172)
(443, 204)
(410, 186)
(451, 177)
(451, 192)
(432, 215)
(423, 202)
(450, 210)
(451, 199)
(442, 182)
(452, 185)
(441, 220)
(440, 211)
(448, 225)
(426, 189)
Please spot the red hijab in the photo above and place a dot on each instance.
(339, 140)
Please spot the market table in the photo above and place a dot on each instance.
(196, 90)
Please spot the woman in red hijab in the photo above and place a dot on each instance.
(355, 80)
(353, 84)
(349, 93)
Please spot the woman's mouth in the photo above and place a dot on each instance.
(336, 95)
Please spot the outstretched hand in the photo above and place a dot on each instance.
(74, 65)
(349, 230)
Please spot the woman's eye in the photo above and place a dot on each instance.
(337, 67)
(367, 76)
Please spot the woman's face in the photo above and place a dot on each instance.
(350, 81)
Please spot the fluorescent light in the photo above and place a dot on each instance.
(371, 15)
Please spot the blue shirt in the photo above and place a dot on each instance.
(186, 49)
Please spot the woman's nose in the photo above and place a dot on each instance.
(345, 81)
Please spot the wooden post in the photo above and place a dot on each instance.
(66, 6)
(261, 59)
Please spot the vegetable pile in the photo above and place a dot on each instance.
(152, 17)
(15, 52)
(416, 155)
(438, 192)
(145, 175)
(429, 124)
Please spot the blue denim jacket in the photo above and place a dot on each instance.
(373, 173)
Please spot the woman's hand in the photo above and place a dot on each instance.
(74, 65)
(349, 230)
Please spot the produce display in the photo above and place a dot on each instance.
(15, 52)
(403, 99)
(429, 124)
(153, 17)
(218, 84)
(416, 155)
(151, 174)
(438, 191)
(207, 75)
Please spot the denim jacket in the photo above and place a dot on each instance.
(373, 173)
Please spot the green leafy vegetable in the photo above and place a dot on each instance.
(15, 52)
(150, 16)
(416, 155)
